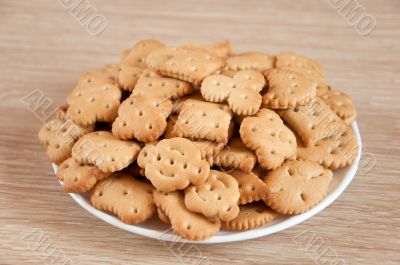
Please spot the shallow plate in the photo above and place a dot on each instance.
(158, 230)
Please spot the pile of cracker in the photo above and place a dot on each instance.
(202, 137)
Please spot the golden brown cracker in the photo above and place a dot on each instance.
(336, 151)
(203, 120)
(313, 122)
(123, 195)
(297, 186)
(288, 89)
(104, 151)
(251, 216)
(250, 61)
(77, 177)
(59, 136)
(271, 140)
(241, 91)
(95, 98)
(218, 196)
(185, 223)
(173, 164)
(191, 65)
(341, 104)
(251, 187)
(236, 155)
(142, 117)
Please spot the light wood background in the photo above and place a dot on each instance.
(42, 46)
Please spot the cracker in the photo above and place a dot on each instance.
(251, 187)
(306, 66)
(78, 177)
(173, 164)
(95, 98)
(123, 195)
(236, 155)
(184, 223)
(104, 151)
(208, 149)
(165, 87)
(313, 122)
(300, 63)
(341, 104)
(156, 58)
(142, 117)
(203, 120)
(288, 89)
(251, 216)
(336, 151)
(128, 77)
(221, 49)
(217, 197)
(250, 61)
(271, 140)
(138, 53)
(297, 186)
(59, 136)
(191, 65)
(241, 92)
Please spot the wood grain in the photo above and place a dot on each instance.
(44, 47)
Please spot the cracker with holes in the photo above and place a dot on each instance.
(336, 151)
(251, 216)
(217, 197)
(77, 177)
(59, 136)
(271, 140)
(251, 187)
(203, 120)
(250, 61)
(126, 197)
(297, 186)
(156, 58)
(300, 63)
(173, 164)
(341, 104)
(208, 149)
(165, 87)
(191, 65)
(104, 151)
(185, 223)
(236, 155)
(313, 122)
(142, 118)
(138, 53)
(95, 98)
(242, 91)
(306, 66)
(288, 89)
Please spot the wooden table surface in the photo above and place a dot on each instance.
(44, 48)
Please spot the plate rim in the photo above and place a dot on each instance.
(237, 236)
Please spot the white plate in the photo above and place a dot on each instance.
(158, 230)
